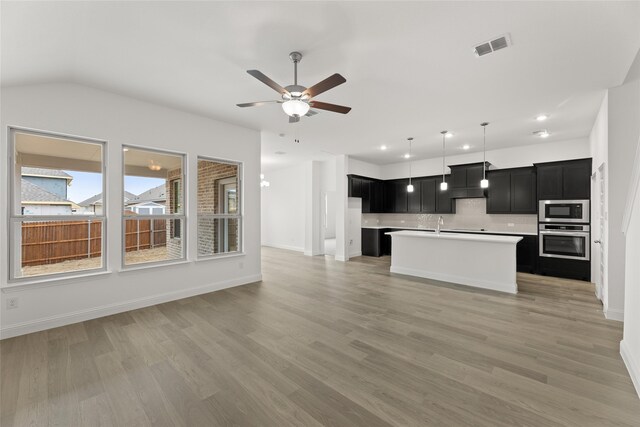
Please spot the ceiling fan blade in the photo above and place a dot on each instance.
(311, 113)
(293, 119)
(266, 80)
(328, 83)
(258, 103)
(330, 107)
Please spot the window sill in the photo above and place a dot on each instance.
(146, 266)
(221, 256)
(21, 284)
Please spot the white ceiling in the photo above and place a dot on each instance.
(409, 66)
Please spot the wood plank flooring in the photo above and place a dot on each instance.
(323, 343)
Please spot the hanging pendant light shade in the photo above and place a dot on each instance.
(410, 186)
(485, 182)
(443, 184)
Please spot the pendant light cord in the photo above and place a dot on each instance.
(444, 134)
(484, 150)
(410, 160)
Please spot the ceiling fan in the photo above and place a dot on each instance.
(297, 100)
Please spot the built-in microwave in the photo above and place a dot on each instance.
(569, 241)
(563, 211)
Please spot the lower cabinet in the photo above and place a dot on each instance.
(565, 268)
(371, 243)
(527, 254)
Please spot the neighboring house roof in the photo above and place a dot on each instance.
(33, 193)
(97, 199)
(147, 205)
(156, 194)
(48, 173)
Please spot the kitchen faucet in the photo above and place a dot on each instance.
(440, 222)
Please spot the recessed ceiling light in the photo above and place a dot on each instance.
(407, 155)
(466, 146)
(542, 133)
(125, 149)
(449, 135)
(542, 117)
(383, 147)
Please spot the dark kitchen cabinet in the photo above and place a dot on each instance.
(444, 202)
(512, 191)
(399, 196)
(458, 177)
(376, 196)
(567, 180)
(355, 186)
(527, 254)
(474, 176)
(465, 180)
(576, 180)
(499, 192)
(428, 193)
(371, 244)
(414, 198)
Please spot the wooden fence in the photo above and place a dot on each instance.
(51, 242)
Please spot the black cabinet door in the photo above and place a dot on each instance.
(365, 193)
(499, 192)
(400, 196)
(428, 192)
(376, 196)
(355, 186)
(523, 191)
(413, 199)
(444, 202)
(550, 182)
(527, 254)
(385, 239)
(458, 177)
(576, 180)
(370, 242)
(474, 176)
(389, 196)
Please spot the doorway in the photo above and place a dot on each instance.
(600, 238)
(329, 223)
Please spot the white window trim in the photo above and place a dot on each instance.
(239, 215)
(182, 217)
(12, 217)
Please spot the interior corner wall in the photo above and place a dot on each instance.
(313, 209)
(83, 111)
(342, 168)
(599, 145)
(623, 134)
(358, 167)
(329, 193)
(284, 208)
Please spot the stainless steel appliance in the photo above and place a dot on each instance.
(563, 211)
(568, 241)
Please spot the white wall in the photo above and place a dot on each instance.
(358, 167)
(500, 159)
(284, 208)
(354, 227)
(624, 129)
(329, 194)
(84, 111)
(599, 147)
(630, 345)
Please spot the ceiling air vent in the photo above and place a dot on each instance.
(492, 45)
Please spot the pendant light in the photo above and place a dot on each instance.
(410, 186)
(443, 184)
(485, 182)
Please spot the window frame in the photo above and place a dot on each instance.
(168, 217)
(13, 217)
(240, 209)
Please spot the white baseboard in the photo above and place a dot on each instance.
(633, 365)
(341, 258)
(286, 247)
(107, 310)
(511, 288)
(355, 254)
(613, 314)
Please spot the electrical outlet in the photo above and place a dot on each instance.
(351, 242)
(12, 303)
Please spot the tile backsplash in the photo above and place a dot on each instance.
(470, 213)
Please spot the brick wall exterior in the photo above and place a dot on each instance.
(210, 174)
(174, 244)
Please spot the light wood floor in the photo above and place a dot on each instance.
(325, 343)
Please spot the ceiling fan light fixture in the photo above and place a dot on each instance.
(295, 108)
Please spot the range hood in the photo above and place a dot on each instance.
(464, 181)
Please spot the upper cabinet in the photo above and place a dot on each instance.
(567, 180)
(512, 191)
(465, 180)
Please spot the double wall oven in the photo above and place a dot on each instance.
(564, 229)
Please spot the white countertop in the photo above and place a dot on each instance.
(457, 236)
(450, 230)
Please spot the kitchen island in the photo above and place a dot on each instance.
(482, 261)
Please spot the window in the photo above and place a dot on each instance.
(219, 207)
(153, 207)
(56, 226)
